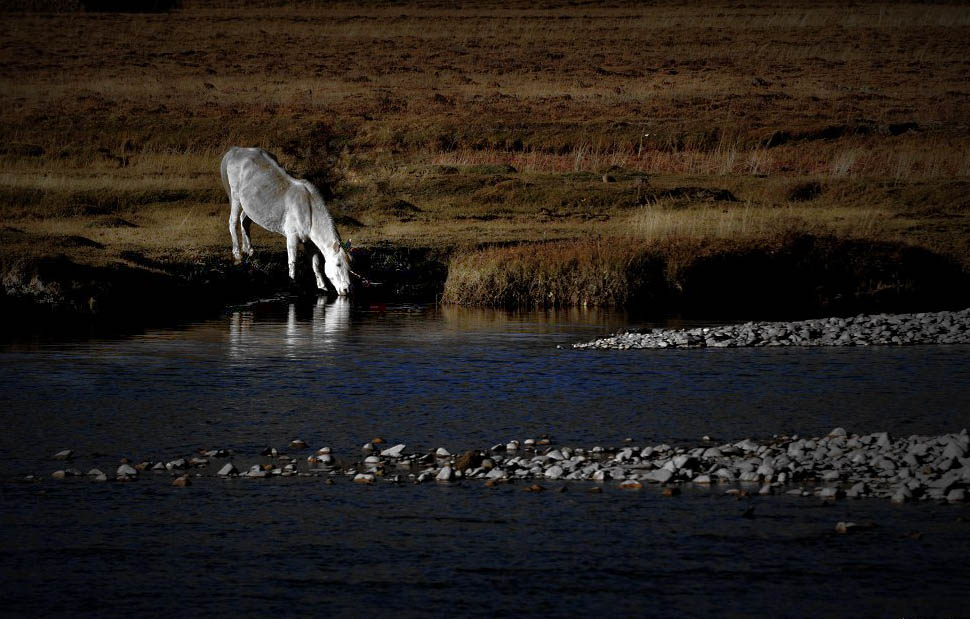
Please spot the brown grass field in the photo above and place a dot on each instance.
(596, 135)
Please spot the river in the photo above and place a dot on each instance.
(337, 375)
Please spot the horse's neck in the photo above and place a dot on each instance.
(323, 226)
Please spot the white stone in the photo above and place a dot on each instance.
(554, 472)
(228, 469)
(445, 474)
(126, 470)
(441, 452)
(659, 475)
(394, 452)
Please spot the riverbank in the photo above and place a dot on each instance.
(787, 177)
(794, 277)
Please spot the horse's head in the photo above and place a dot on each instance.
(336, 266)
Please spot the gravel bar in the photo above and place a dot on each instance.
(862, 330)
(836, 466)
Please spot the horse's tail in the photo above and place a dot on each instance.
(225, 173)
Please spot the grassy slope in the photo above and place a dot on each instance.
(492, 125)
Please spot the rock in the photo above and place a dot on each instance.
(394, 452)
(554, 472)
(182, 481)
(101, 477)
(831, 493)
(364, 478)
(957, 495)
(441, 452)
(59, 474)
(298, 444)
(534, 488)
(838, 432)
(228, 470)
(702, 479)
(671, 491)
(126, 471)
(659, 475)
(67, 454)
(469, 460)
(849, 527)
(747, 445)
(631, 484)
(902, 495)
(95, 472)
(445, 474)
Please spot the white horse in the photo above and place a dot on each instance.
(260, 190)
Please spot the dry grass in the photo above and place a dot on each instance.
(493, 123)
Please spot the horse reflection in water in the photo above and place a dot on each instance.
(252, 335)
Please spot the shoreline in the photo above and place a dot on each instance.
(803, 277)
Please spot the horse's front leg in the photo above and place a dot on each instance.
(291, 242)
(321, 283)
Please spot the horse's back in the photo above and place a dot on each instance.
(256, 179)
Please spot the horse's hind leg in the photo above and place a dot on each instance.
(235, 211)
(291, 242)
(247, 245)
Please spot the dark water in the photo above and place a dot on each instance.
(339, 376)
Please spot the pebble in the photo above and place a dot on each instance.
(298, 444)
(445, 474)
(227, 470)
(66, 454)
(862, 330)
(394, 452)
(126, 472)
(182, 481)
